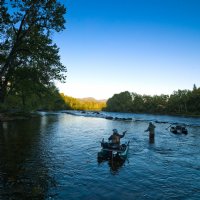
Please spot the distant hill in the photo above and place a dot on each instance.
(92, 99)
(88, 103)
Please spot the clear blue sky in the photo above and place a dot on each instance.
(144, 46)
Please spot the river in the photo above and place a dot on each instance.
(55, 157)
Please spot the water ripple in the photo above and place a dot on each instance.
(55, 157)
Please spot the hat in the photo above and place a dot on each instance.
(115, 130)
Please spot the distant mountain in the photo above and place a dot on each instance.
(91, 99)
(88, 103)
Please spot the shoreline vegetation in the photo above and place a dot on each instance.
(30, 64)
(17, 115)
(181, 103)
(185, 103)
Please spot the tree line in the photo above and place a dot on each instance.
(186, 102)
(30, 62)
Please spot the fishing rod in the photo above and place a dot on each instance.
(168, 126)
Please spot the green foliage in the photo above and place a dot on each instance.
(180, 102)
(120, 102)
(26, 46)
(84, 104)
(48, 99)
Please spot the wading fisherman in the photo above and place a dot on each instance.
(115, 137)
(151, 130)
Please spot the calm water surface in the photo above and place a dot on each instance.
(55, 157)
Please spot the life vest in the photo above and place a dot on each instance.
(115, 139)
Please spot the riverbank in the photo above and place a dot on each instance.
(16, 115)
(13, 115)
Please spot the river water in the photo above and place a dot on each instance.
(55, 157)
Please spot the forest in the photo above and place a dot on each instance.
(30, 64)
(181, 102)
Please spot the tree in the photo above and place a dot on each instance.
(25, 83)
(26, 28)
(194, 101)
(121, 102)
(194, 87)
(178, 101)
(138, 103)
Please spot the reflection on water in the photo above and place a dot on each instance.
(114, 165)
(55, 157)
(24, 174)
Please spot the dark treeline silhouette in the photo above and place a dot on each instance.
(31, 98)
(29, 58)
(183, 102)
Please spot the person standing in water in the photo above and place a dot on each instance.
(151, 129)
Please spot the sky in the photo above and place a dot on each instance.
(148, 47)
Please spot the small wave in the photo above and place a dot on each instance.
(131, 117)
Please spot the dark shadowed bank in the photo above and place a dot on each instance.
(17, 115)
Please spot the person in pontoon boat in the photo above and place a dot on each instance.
(115, 137)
